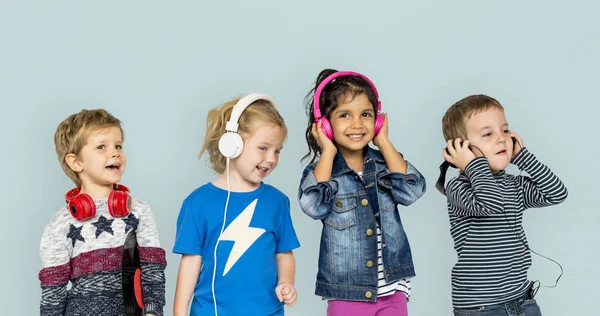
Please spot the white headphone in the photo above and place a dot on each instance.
(231, 143)
(231, 146)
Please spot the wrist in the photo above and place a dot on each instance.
(463, 165)
(384, 145)
(328, 154)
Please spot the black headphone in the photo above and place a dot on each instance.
(441, 181)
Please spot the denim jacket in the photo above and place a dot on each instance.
(349, 207)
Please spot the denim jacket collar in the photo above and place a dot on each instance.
(340, 166)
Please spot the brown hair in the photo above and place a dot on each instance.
(453, 122)
(260, 111)
(72, 134)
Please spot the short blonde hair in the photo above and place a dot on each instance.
(72, 134)
(257, 114)
(454, 121)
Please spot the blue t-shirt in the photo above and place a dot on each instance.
(258, 227)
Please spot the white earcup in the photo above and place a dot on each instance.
(231, 145)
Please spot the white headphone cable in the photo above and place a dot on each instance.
(219, 238)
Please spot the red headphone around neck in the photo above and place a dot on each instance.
(82, 206)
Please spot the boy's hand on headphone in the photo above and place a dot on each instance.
(325, 143)
(286, 293)
(518, 145)
(460, 154)
(382, 136)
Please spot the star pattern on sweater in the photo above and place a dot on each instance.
(103, 225)
(131, 222)
(75, 234)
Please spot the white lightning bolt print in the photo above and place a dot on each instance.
(242, 235)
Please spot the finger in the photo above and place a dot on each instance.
(517, 137)
(291, 301)
(476, 151)
(278, 292)
(450, 147)
(466, 144)
(457, 144)
(320, 130)
(447, 156)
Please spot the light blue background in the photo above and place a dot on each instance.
(159, 67)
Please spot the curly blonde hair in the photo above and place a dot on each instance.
(72, 134)
(257, 114)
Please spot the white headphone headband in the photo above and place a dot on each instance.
(241, 105)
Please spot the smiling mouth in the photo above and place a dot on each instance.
(356, 136)
(262, 169)
(114, 167)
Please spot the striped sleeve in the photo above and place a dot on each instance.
(543, 187)
(480, 195)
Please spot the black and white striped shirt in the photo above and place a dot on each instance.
(486, 213)
(383, 288)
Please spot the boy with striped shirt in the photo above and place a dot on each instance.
(486, 205)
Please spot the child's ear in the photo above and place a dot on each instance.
(73, 162)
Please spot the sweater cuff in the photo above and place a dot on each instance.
(523, 159)
(153, 309)
(477, 165)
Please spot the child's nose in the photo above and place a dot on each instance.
(271, 157)
(502, 138)
(357, 122)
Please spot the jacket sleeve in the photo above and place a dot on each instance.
(316, 198)
(405, 188)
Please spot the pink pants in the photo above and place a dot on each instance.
(391, 305)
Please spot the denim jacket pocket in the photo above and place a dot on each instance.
(343, 215)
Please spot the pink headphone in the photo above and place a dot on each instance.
(326, 126)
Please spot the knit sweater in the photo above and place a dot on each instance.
(99, 257)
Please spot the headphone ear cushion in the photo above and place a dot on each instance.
(231, 145)
(82, 207)
(378, 123)
(119, 203)
(326, 128)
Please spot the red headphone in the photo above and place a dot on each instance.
(82, 206)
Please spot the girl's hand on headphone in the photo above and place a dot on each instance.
(325, 143)
(382, 136)
(518, 145)
(458, 153)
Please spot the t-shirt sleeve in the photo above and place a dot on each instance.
(190, 234)
(286, 237)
